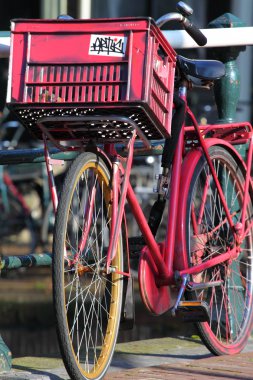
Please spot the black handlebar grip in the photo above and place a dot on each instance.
(195, 33)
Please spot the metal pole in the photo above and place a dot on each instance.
(244, 62)
(179, 39)
(4, 44)
(5, 357)
(62, 7)
(84, 8)
(227, 88)
(53, 8)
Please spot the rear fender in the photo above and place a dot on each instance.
(100, 153)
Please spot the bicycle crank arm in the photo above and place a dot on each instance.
(192, 286)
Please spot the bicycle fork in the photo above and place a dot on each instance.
(118, 203)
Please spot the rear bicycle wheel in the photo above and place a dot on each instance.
(87, 300)
(208, 235)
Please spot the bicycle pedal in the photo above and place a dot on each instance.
(193, 311)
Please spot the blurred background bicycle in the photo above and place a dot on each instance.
(26, 213)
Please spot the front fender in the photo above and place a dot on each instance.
(189, 164)
(100, 153)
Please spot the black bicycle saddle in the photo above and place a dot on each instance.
(203, 69)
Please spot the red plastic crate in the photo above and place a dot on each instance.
(98, 66)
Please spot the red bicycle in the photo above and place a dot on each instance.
(104, 83)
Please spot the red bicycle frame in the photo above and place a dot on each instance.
(165, 264)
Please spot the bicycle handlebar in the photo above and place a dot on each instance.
(195, 33)
(173, 16)
(190, 28)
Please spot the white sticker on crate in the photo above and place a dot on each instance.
(113, 46)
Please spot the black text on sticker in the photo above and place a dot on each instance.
(113, 46)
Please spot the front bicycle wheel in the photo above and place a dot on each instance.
(208, 235)
(87, 300)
